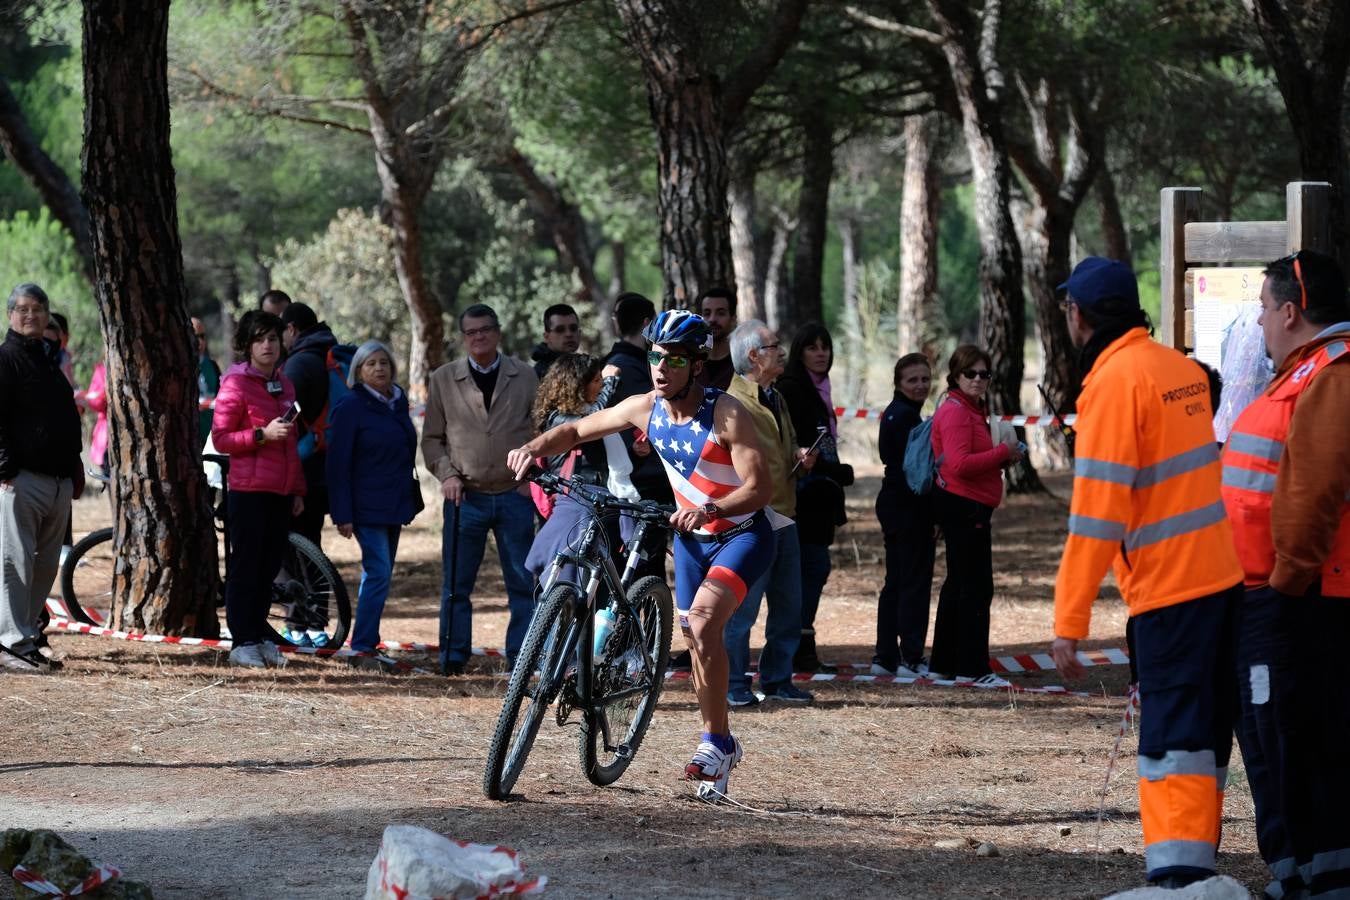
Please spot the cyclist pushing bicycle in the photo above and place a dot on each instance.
(724, 536)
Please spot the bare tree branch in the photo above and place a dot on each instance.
(252, 106)
(880, 24)
(742, 82)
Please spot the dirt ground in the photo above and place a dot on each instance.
(208, 782)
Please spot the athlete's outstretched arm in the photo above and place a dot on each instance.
(633, 412)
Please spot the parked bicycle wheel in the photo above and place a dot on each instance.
(535, 681)
(87, 575)
(309, 598)
(629, 675)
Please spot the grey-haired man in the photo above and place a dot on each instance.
(40, 472)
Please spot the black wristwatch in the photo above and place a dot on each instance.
(711, 511)
(259, 436)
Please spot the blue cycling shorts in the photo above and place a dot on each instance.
(738, 562)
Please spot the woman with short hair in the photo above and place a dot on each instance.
(266, 484)
(968, 488)
(372, 480)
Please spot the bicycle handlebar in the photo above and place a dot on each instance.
(648, 510)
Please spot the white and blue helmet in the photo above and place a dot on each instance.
(680, 327)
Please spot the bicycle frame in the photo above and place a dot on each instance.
(599, 571)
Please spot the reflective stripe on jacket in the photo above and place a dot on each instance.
(1146, 487)
(1252, 460)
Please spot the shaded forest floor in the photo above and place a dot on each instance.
(207, 781)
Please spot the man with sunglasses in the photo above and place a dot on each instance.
(562, 334)
(1146, 504)
(1286, 477)
(724, 543)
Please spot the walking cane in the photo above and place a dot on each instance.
(448, 604)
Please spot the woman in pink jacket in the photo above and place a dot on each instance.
(969, 486)
(266, 482)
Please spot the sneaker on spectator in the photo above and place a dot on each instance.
(25, 663)
(296, 637)
(788, 692)
(918, 670)
(248, 655)
(742, 697)
(316, 638)
(991, 681)
(272, 655)
(879, 669)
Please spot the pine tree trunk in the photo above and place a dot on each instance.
(1002, 304)
(916, 313)
(405, 179)
(776, 278)
(1046, 264)
(850, 237)
(813, 214)
(686, 109)
(742, 202)
(166, 577)
(1113, 221)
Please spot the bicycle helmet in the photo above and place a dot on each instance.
(680, 327)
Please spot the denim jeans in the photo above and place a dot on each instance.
(510, 518)
(379, 545)
(815, 571)
(782, 584)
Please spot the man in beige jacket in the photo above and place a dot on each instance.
(476, 407)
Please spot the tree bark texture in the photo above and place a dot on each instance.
(568, 227)
(1311, 77)
(59, 195)
(971, 53)
(693, 111)
(741, 200)
(777, 281)
(686, 109)
(813, 216)
(916, 316)
(166, 577)
(1113, 221)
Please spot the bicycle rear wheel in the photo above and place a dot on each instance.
(628, 679)
(309, 595)
(535, 681)
(87, 576)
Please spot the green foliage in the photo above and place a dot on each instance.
(346, 274)
(37, 248)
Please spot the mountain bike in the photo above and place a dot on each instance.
(613, 679)
(307, 589)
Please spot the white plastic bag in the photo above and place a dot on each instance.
(417, 864)
(1245, 369)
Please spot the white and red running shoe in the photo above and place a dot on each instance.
(711, 769)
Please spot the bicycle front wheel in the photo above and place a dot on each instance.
(629, 675)
(87, 575)
(309, 597)
(535, 681)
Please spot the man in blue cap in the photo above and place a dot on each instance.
(1146, 504)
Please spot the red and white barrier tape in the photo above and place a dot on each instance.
(1027, 662)
(35, 882)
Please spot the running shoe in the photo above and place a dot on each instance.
(879, 669)
(991, 681)
(247, 655)
(916, 669)
(316, 638)
(788, 692)
(742, 697)
(711, 768)
(271, 655)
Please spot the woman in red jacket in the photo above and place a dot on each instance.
(969, 486)
(266, 482)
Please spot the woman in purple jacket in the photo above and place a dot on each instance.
(266, 483)
(968, 487)
(372, 482)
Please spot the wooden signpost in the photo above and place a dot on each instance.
(1196, 252)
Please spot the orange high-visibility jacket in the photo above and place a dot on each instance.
(1254, 461)
(1146, 487)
